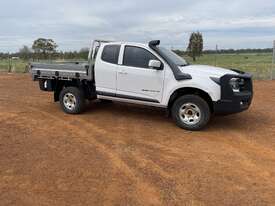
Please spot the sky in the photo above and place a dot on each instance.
(72, 24)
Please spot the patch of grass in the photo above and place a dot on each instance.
(258, 64)
(18, 66)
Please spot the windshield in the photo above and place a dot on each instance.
(179, 61)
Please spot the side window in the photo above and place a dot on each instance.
(137, 57)
(110, 54)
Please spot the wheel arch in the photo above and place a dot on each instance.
(190, 90)
(60, 84)
(89, 91)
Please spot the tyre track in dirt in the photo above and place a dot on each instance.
(127, 166)
(138, 162)
(143, 188)
(130, 155)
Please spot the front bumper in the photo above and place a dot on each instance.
(232, 102)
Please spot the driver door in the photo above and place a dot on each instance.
(135, 80)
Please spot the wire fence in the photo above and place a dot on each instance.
(258, 64)
(273, 62)
(13, 66)
(261, 65)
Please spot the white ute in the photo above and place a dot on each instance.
(147, 74)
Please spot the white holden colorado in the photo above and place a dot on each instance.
(147, 74)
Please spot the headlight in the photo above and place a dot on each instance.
(236, 84)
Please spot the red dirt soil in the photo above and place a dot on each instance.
(117, 154)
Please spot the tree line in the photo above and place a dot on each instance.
(228, 51)
(46, 49)
(79, 55)
(43, 48)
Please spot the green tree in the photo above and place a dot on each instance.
(83, 53)
(44, 48)
(25, 52)
(195, 46)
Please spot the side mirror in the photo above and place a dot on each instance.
(155, 64)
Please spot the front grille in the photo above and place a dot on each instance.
(245, 89)
(246, 85)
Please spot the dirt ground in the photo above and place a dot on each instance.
(117, 154)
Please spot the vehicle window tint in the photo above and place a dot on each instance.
(137, 57)
(110, 54)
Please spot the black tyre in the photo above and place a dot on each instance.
(191, 112)
(42, 85)
(72, 100)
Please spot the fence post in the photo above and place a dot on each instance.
(9, 70)
(216, 55)
(273, 60)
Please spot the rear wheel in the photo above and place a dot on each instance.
(191, 112)
(72, 100)
(43, 85)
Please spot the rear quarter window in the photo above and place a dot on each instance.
(110, 54)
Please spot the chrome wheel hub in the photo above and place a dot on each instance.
(190, 114)
(69, 101)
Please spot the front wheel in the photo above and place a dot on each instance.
(72, 100)
(191, 112)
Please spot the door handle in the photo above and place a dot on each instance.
(123, 73)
